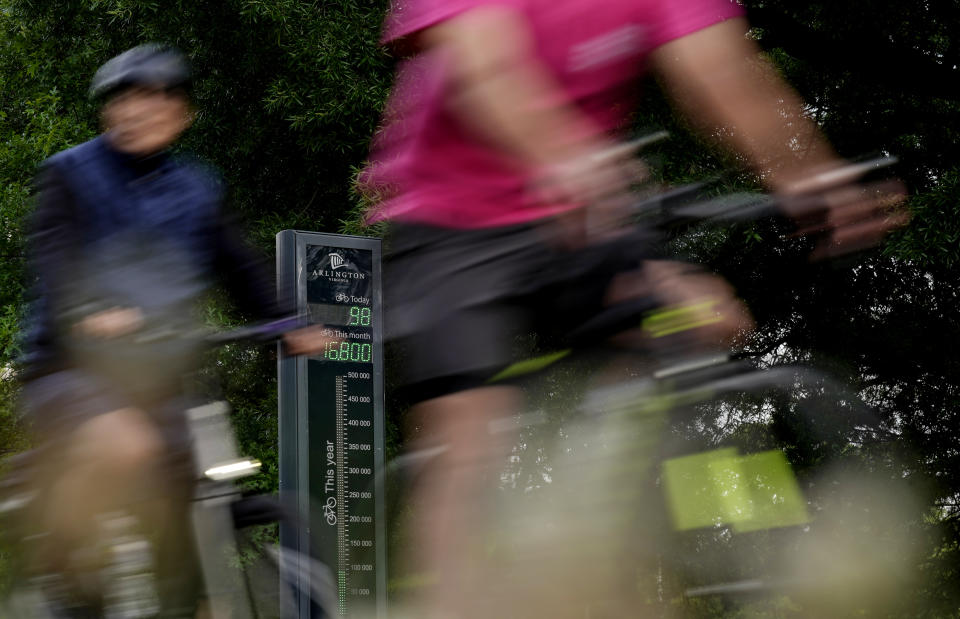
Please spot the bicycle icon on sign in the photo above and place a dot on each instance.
(329, 511)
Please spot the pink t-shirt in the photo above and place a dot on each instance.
(427, 167)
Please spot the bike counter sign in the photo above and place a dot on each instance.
(331, 415)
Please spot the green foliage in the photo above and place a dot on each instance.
(933, 237)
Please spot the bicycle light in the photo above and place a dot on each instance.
(233, 470)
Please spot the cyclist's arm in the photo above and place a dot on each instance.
(502, 92)
(243, 272)
(53, 240)
(249, 283)
(722, 83)
(52, 246)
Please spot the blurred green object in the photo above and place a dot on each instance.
(529, 366)
(722, 487)
(678, 318)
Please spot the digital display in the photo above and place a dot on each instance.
(348, 351)
(343, 418)
(337, 314)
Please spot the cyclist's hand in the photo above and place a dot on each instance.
(847, 217)
(307, 340)
(110, 323)
(696, 304)
(599, 183)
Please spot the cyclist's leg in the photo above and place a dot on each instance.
(447, 301)
(167, 514)
(105, 460)
(602, 281)
(97, 453)
(94, 446)
(452, 495)
(453, 407)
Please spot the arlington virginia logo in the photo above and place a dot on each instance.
(340, 268)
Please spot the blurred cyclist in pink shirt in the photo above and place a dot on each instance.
(499, 169)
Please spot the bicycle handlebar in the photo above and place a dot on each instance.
(262, 332)
(678, 207)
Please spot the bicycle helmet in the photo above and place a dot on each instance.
(144, 65)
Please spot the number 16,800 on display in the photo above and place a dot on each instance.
(348, 351)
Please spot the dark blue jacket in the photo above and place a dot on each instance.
(90, 195)
(113, 192)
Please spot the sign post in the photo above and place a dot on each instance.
(331, 416)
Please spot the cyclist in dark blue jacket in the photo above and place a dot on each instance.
(125, 238)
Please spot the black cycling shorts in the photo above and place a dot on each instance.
(456, 300)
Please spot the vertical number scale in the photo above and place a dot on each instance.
(343, 548)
